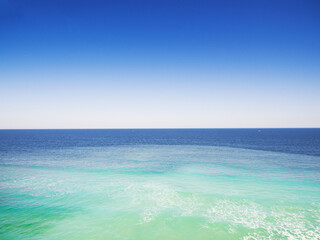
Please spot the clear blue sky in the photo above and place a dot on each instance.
(159, 64)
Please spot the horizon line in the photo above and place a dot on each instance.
(1, 129)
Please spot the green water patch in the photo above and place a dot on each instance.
(25, 216)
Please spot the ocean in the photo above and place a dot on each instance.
(161, 184)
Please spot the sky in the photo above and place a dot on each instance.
(159, 64)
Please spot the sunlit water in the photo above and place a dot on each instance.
(51, 190)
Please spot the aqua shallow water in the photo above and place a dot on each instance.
(153, 191)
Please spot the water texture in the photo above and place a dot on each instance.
(160, 184)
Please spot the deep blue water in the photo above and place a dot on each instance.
(298, 141)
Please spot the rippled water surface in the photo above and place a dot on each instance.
(160, 184)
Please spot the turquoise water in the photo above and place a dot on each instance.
(158, 192)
